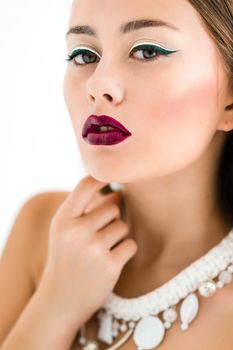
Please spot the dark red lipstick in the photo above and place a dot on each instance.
(112, 133)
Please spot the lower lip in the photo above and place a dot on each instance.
(105, 138)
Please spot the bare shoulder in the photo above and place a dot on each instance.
(23, 251)
(29, 232)
(29, 222)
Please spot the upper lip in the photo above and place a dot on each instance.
(93, 121)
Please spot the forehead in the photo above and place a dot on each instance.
(112, 13)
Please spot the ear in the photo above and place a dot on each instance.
(226, 121)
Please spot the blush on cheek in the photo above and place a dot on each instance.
(196, 101)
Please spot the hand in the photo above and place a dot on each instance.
(87, 251)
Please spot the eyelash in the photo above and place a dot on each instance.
(159, 51)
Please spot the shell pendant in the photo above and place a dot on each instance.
(150, 331)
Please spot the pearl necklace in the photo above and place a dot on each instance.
(140, 315)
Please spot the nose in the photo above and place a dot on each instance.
(104, 85)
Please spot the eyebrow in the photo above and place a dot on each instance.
(124, 28)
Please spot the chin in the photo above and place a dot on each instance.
(107, 176)
(105, 173)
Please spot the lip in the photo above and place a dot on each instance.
(104, 138)
(93, 121)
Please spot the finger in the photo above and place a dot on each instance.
(100, 217)
(77, 201)
(124, 251)
(100, 199)
(113, 234)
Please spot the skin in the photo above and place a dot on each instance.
(175, 109)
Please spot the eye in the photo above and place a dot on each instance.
(149, 52)
(82, 57)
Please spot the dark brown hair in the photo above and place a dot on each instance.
(217, 16)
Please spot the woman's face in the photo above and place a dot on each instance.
(171, 104)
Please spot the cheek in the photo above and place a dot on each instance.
(189, 105)
(181, 122)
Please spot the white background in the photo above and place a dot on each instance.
(38, 150)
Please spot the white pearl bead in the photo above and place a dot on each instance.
(123, 327)
(170, 315)
(115, 332)
(207, 288)
(225, 277)
(132, 324)
(82, 340)
(219, 284)
(91, 346)
(184, 326)
(116, 186)
(167, 324)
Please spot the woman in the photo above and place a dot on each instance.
(164, 71)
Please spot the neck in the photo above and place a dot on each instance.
(174, 220)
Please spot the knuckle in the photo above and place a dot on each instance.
(84, 180)
(97, 250)
(83, 224)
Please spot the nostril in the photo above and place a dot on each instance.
(108, 97)
(92, 98)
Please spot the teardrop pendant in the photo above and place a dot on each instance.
(188, 310)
